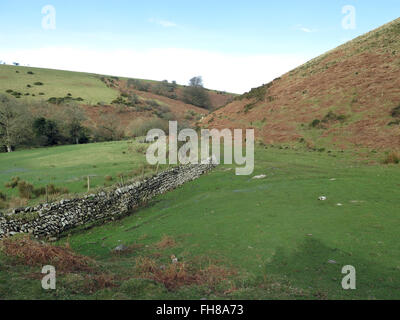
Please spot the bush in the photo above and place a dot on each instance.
(38, 83)
(396, 112)
(315, 123)
(197, 96)
(13, 183)
(192, 115)
(25, 190)
(140, 127)
(133, 99)
(153, 103)
(3, 196)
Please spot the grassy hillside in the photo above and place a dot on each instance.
(236, 237)
(56, 83)
(346, 98)
(92, 88)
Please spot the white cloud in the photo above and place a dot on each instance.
(163, 23)
(305, 29)
(229, 72)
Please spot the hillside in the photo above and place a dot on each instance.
(104, 96)
(348, 97)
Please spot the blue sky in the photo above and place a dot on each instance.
(234, 45)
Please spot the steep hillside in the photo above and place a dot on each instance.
(346, 98)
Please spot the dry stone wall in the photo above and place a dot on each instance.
(50, 220)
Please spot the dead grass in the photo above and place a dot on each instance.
(166, 242)
(32, 253)
(17, 202)
(179, 274)
(93, 283)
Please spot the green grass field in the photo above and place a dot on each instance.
(273, 233)
(56, 83)
(69, 166)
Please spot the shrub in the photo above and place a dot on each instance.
(134, 99)
(140, 127)
(190, 115)
(39, 191)
(25, 190)
(396, 112)
(248, 107)
(331, 117)
(315, 123)
(13, 183)
(30, 72)
(392, 123)
(3, 204)
(38, 83)
(392, 157)
(153, 103)
(197, 96)
(163, 112)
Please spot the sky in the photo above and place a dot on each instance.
(234, 45)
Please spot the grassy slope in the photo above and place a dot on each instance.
(273, 231)
(360, 80)
(57, 83)
(68, 166)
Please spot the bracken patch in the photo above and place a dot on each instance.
(32, 253)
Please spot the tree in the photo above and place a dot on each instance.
(195, 94)
(47, 130)
(73, 123)
(196, 82)
(108, 128)
(12, 122)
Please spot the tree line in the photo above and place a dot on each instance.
(34, 125)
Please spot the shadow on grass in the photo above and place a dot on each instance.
(317, 269)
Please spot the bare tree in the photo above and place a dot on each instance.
(13, 122)
(73, 122)
(196, 82)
